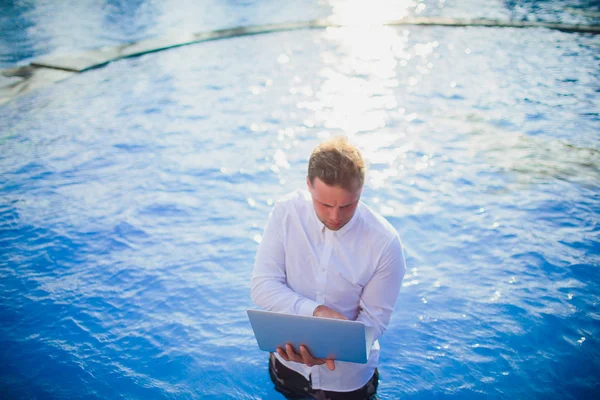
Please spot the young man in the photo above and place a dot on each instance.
(324, 253)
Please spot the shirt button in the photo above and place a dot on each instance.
(322, 269)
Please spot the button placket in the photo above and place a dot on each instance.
(323, 263)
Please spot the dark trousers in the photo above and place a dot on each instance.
(295, 386)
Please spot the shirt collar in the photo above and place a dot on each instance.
(320, 226)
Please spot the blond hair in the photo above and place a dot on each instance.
(337, 163)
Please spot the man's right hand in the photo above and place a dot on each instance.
(326, 312)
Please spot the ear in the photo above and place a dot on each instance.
(308, 182)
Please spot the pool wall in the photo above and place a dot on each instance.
(54, 68)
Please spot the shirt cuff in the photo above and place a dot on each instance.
(307, 307)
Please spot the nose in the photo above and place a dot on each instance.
(335, 214)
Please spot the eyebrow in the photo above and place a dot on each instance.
(344, 206)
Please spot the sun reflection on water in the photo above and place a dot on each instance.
(359, 79)
(361, 13)
(358, 95)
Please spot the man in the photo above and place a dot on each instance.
(326, 254)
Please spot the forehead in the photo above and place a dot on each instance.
(333, 195)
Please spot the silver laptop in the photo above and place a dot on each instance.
(324, 337)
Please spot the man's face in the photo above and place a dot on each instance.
(334, 206)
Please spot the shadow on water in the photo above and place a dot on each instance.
(535, 160)
(13, 29)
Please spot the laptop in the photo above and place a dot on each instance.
(337, 339)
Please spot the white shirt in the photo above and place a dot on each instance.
(357, 271)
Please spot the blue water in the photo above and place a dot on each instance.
(33, 28)
(133, 197)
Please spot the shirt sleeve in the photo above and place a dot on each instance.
(380, 293)
(269, 288)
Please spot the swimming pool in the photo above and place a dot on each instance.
(133, 198)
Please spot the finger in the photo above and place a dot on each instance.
(342, 316)
(282, 354)
(339, 315)
(330, 365)
(291, 353)
(307, 358)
